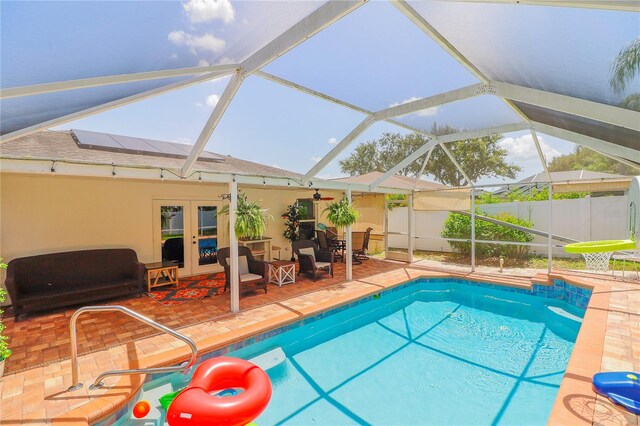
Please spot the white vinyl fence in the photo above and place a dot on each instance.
(584, 219)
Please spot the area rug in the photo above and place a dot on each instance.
(190, 288)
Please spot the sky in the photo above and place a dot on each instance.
(374, 58)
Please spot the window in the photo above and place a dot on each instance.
(308, 222)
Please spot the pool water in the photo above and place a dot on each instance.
(444, 353)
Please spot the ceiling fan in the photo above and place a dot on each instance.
(318, 197)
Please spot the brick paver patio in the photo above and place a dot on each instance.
(34, 391)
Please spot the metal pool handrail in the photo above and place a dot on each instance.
(98, 382)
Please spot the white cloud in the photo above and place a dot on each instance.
(524, 149)
(422, 113)
(203, 63)
(276, 166)
(332, 141)
(209, 10)
(212, 100)
(316, 159)
(184, 141)
(204, 42)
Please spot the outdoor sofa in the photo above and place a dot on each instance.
(47, 281)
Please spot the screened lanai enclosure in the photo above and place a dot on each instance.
(538, 68)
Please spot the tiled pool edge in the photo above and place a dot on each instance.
(558, 290)
(576, 401)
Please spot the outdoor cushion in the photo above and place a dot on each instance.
(249, 277)
(320, 265)
(309, 252)
(47, 281)
(243, 265)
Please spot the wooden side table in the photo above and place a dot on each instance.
(282, 272)
(161, 273)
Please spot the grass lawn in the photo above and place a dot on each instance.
(539, 262)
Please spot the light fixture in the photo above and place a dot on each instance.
(317, 196)
(225, 197)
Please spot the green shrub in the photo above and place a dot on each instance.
(459, 226)
(5, 352)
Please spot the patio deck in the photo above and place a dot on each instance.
(33, 390)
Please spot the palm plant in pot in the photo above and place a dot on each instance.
(5, 352)
(342, 214)
(251, 218)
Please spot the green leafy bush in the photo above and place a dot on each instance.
(459, 226)
(5, 352)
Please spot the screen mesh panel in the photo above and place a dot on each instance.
(468, 114)
(455, 199)
(596, 129)
(78, 39)
(18, 113)
(561, 50)
(377, 58)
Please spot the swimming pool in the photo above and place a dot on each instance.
(438, 351)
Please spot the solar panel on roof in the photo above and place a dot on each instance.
(132, 145)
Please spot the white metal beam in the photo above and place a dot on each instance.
(593, 110)
(424, 166)
(211, 124)
(472, 194)
(308, 91)
(234, 280)
(348, 243)
(446, 139)
(341, 146)
(543, 160)
(599, 145)
(84, 83)
(41, 166)
(455, 163)
(411, 229)
(315, 22)
(401, 165)
(433, 101)
(108, 106)
(621, 5)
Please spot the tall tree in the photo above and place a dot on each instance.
(477, 157)
(624, 68)
(585, 159)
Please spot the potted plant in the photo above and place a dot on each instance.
(292, 217)
(251, 218)
(341, 213)
(5, 352)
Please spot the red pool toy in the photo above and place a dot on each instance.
(199, 404)
(141, 409)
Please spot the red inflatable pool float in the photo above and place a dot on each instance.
(200, 404)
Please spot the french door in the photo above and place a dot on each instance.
(189, 233)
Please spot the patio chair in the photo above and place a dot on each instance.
(173, 250)
(361, 246)
(253, 273)
(312, 260)
(625, 257)
(327, 244)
